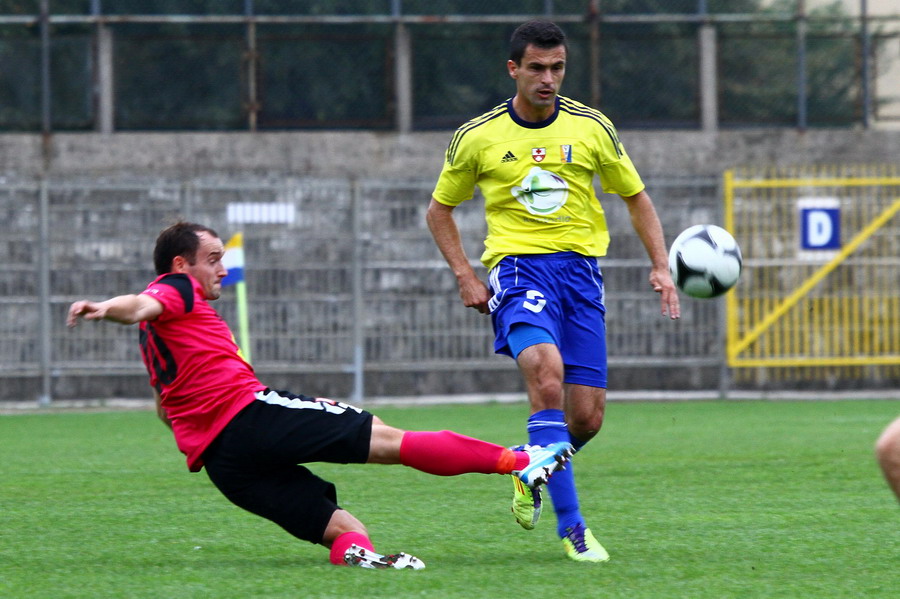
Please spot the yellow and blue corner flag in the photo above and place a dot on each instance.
(234, 260)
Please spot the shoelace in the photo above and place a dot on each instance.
(576, 535)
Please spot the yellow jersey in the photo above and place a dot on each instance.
(537, 178)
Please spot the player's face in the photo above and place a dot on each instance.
(207, 267)
(538, 79)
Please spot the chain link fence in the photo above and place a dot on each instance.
(348, 295)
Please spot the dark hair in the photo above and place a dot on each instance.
(542, 34)
(180, 239)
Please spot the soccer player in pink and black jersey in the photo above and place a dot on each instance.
(252, 439)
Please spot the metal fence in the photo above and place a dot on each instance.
(348, 295)
(820, 297)
(410, 65)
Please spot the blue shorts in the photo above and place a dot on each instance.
(561, 293)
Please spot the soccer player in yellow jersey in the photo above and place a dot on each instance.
(535, 158)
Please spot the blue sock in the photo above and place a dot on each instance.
(576, 443)
(546, 427)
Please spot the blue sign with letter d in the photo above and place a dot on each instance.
(820, 228)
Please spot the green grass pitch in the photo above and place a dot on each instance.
(692, 499)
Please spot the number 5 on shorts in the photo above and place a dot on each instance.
(538, 305)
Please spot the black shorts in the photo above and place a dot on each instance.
(255, 460)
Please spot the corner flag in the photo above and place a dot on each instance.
(233, 260)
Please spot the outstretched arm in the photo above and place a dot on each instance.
(472, 290)
(646, 223)
(124, 309)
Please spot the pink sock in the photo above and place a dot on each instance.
(343, 542)
(446, 453)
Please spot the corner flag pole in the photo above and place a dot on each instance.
(243, 320)
(234, 262)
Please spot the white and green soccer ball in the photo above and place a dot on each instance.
(705, 261)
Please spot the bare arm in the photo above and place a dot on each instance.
(124, 309)
(646, 223)
(472, 290)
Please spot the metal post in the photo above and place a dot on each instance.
(252, 58)
(105, 81)
(44, 398)
(45, 326)
(866, 63)
(595, 79)
(46, 115)
(726, 191)
(709, 85)
(103, 74)
(802, 117)
(359, 332)
(403, 80)
(403, 99)
(722, 341)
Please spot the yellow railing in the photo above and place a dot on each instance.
(802, 306)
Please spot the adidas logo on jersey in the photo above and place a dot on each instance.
(509, 157)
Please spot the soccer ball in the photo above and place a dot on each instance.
(705, 261)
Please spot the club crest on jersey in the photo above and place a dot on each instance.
(538, 154)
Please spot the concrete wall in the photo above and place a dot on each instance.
(410, 156)
(379, 156)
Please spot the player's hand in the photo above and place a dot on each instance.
(84, 309)
(662, 283)
(474, 294)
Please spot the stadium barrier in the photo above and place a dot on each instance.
(348, 296)
(820, 295)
